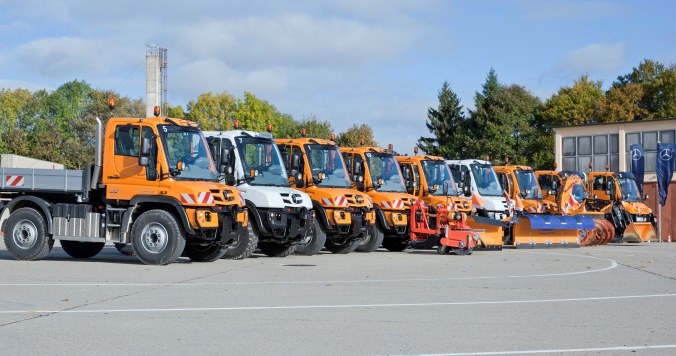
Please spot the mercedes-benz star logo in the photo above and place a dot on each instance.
(635, 154)
(296, 198)
(666, 154)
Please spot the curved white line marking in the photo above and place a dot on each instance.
(530, 352)
(335, 306)
(613, 264)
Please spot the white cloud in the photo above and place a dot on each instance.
(595, 58)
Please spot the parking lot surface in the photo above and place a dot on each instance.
(612, 299)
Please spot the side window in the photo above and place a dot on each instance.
(545, 182)
(348, 162)
(127, 140)
(151, 169)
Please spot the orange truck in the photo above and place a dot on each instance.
(344, 217)
(153, 185)
(440, 215)
(567, 190)
(375, 172)
(616, 195)
(545, 227)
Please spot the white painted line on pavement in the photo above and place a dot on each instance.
(335, 306)
(612, 265)
(530, 352)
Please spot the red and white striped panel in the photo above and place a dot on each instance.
(398, 204)
(386, 204)
(205, 198)
(327, 202)
(341, 201)
(187, 198)
(14, 181)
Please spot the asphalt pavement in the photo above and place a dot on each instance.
(603, 300)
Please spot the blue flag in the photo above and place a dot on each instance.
(664, 168)
(637, 164)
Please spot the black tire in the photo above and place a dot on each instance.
(316, 243)
(124, 249)
(372, 241)
(396, 244)
(156, 238)
(442, 250)
(426, 244)
(461, 251)
(26, 235)
(246, 244)
(274, 249)
(80, 249)
(204, 252)
(341, 245)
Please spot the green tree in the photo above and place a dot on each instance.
(355, 135)
(576, 105)
(445, 123)
(622, 103)
(14, 106)
(658, 83)
(213, 111)
(314, 127)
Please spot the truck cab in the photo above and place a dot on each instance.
(280, 218)
(374, 171)
(344, 215)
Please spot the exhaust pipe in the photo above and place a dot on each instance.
(98, 154)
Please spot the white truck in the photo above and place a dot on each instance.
(281, 218)
(492, 202)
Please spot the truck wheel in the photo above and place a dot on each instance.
(396, 244)
(341, 245)
(373, 241)
(316, 243)
(204, 252)
(25, 235)
(79, 249)
(246, 244)
(156, 238)
(274, 249)
(426, 244)
(124, 249)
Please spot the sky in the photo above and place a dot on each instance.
(349, 62)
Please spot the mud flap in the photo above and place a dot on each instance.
(639, 232)
(490, 231)
(538, 231)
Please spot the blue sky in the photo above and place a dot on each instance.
(346, 61)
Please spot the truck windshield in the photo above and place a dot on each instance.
(262, 155)
(629, 189)
(436, 174)
(187, 145)
(486, 180)
(328, 160)
(528, 185)
(383, 165)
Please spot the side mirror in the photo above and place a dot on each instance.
(444, 188)
(298, 180)
(357, 168)
(467, 190)
(555, 186)
(145, 146)
(295, 161)
(143, 161)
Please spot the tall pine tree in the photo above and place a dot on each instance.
(445, 123)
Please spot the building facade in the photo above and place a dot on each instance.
(606, 147)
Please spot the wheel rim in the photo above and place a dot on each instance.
(25, 234)
(154, 238)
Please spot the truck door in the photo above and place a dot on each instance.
(125, 177)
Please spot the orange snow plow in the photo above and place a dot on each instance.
(616, 196)
(538, 224)
(454, 234)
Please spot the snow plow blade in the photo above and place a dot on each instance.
(544, 231)
(639, 232)
(491, 232)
